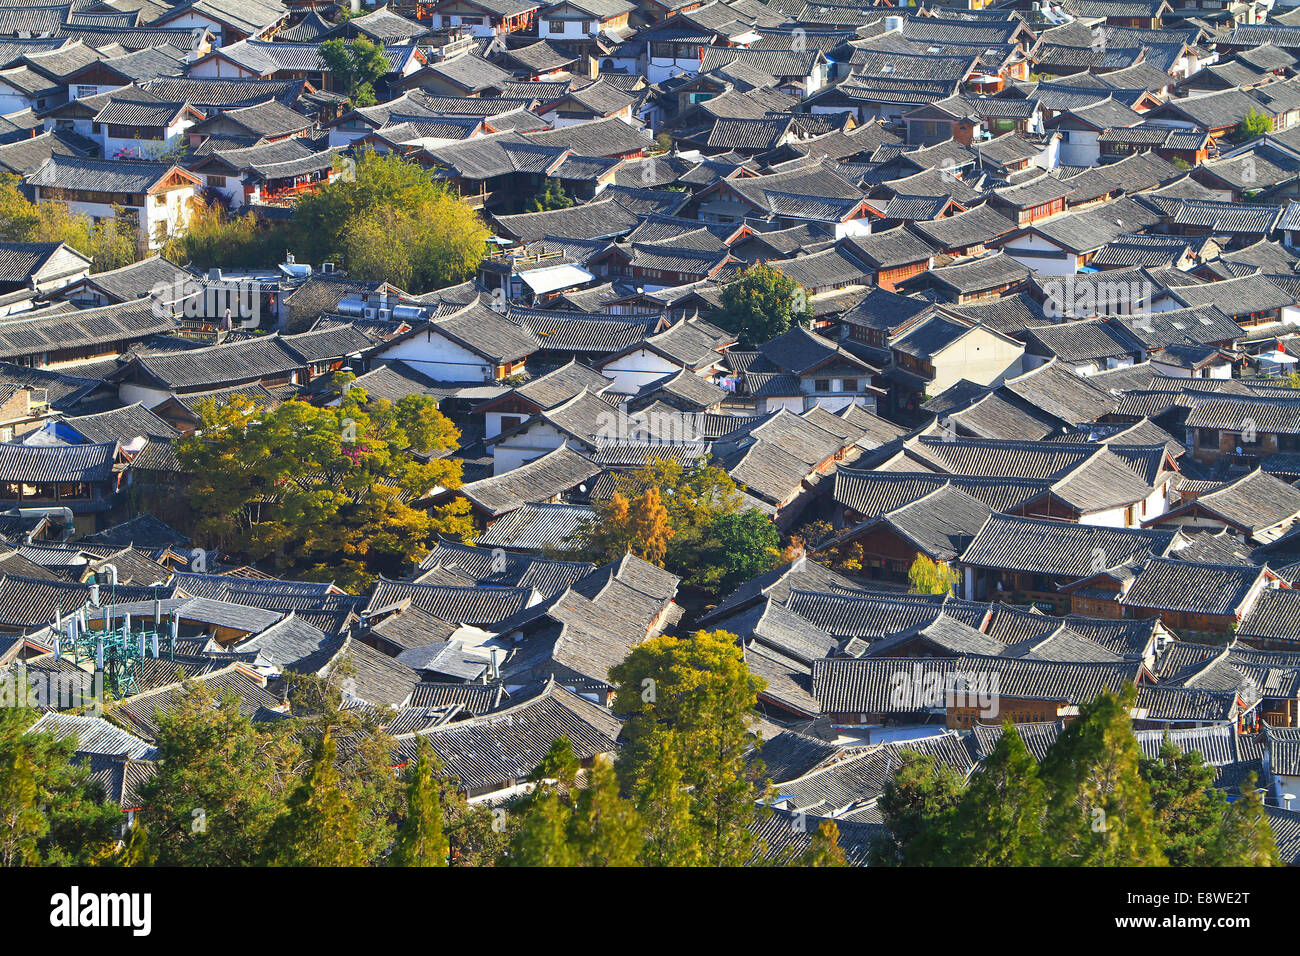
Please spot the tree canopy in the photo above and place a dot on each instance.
(760, 304)
(51, 813)
(1254, 125)
(550, 196)
(385, 219)
(110, 243)
(1093, 801)
(689, 519)
(356, 65)
(927, 576)
(692, 698)
(323, 492)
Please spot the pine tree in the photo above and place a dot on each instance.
(700, 691)
(320, 826)
(999, 819)
(420, 841)
(604, 827)
(1188, 810)
(824, 849)
(1245, 837)
(671, 838)
(51, 812)
(543, 837)
(1098, 806)
(137, 851)
(559, 764)
(218, 786)
(365, 752)
(917, 805)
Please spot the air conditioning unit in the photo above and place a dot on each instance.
(372, 313)
(328, 268)
(385, 315)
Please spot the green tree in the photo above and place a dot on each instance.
(605, 828)
(323, 492)
(111, 243)
(560, 764)
(695, 694)
(999, 819)
(662, 800)
(320, 826)
(1098, 806)
(364, 751)
(1188, 810)
(701, 503)
(420, 841)
(550, 196)
(356, 67)
(760, 304)
(918, 805)
(219, 786)
(1245, 836)
(51, 812)
(927, 576)
(477, 835)
(824, 847)
(543, 836)
(213, 237)
(138, 850)
(387, 220)
(1254, 125)
(745, 544)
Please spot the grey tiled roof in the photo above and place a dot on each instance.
(540, 479)
(489, 752)
(867, 685)
(1042, 546)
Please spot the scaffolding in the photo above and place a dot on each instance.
(115, 647)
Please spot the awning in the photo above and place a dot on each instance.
(551, 278)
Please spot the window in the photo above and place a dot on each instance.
(217, 182)
(850, 385)
(822, 385)
(84, 91)
(1209, 437)
(509, 421)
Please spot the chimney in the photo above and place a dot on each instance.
(593, 67)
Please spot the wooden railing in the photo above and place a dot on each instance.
(288, 194)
